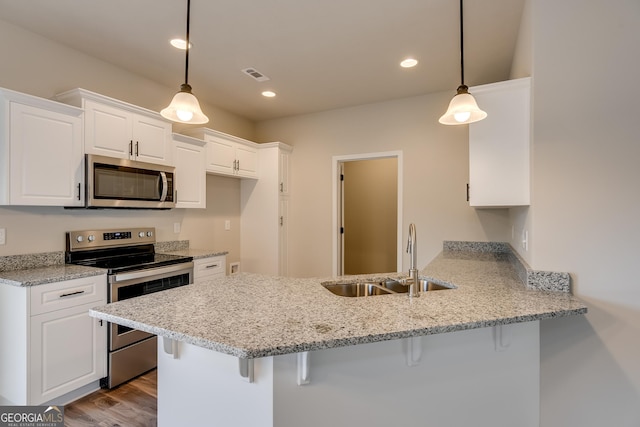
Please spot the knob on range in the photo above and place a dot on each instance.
(141, 234)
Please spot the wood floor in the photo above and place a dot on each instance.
(133, 404)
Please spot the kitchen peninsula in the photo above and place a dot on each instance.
(273, 351)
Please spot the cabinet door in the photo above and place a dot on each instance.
(283, 172)
(191, 176)
(247, 161)
(220, 156)
(46, 157)
(68, 351)
(151, 140)
(107, 130)
(499, 146)
(283, 236)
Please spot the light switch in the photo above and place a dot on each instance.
(3, 236)
(227, 224)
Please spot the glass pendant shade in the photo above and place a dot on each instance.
(462, 109)
(185, 108)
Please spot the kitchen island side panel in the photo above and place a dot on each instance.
(460, 380)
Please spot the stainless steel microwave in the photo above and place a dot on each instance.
(121, 183)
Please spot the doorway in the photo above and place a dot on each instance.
(367, 213)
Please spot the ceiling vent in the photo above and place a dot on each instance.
(255, 74)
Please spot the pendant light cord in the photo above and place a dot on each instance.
(461, 47)
(186, 66)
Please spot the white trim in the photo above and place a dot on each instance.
(336, 160)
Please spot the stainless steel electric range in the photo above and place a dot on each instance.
(133, 269)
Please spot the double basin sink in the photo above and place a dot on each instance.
(366, 288)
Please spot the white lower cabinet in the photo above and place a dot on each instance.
(209, 268)
(56, 347)
(68, 351)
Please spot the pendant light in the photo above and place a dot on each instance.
(184, 107)
(463, 108)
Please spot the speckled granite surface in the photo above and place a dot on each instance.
(196, 253)
(49, 267)
(171, 246)
(50, 274)
(20, 262)
(534, 279)
(249, 316)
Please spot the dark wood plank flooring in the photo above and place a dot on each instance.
(133, 404)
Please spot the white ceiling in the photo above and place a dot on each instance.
(319, 54)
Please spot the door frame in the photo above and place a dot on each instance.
(337, 203)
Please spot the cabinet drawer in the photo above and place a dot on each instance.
(70, 293)
(209, 267)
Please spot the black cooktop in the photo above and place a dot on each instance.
(117, 260)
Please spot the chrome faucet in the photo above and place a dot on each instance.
(412, 249)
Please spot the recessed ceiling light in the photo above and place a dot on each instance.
(180, 44)
(268, 94)
(408, 63)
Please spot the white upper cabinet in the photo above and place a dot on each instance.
(41, 153)
(499, 153)
(191, 175)
(117, 129)
(227, 154)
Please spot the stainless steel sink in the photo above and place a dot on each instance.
(382, 287)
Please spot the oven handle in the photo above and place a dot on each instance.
(141, 274)
(163, 186)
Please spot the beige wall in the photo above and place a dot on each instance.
(370, 215)
(42, 229)
(37, 66)
(586, 205)
(435, 173)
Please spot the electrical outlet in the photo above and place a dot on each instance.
(176, 227)
(227, 224)
(525, 240)
(3, 236)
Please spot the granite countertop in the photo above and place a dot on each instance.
(196, 253)
(250, 315)
(48, 267)
(48, 274)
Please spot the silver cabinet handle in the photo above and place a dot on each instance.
(71, 293)
(212, 266)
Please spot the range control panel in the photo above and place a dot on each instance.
(95, 239)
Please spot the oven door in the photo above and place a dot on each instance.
(135, 283)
